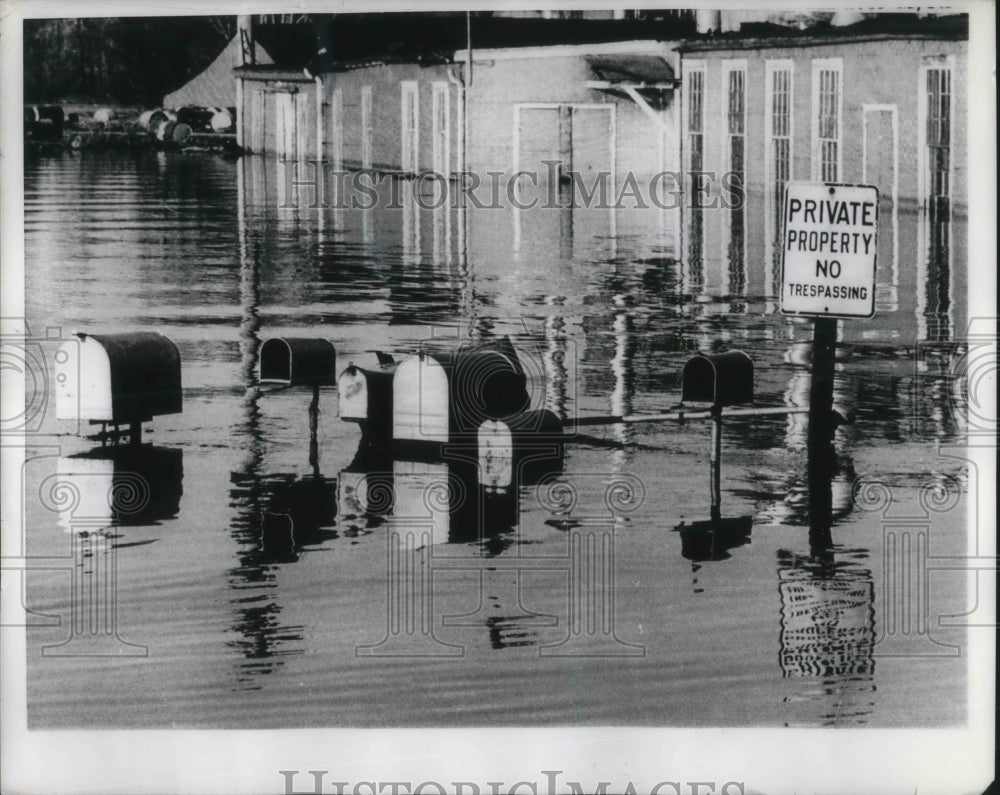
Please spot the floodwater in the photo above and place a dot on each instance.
(246, 581)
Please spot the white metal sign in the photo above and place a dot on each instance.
(828, 250)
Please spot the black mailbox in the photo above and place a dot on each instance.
(722, 379)
(298, 361)
(118, 378)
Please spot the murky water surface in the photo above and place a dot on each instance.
(259, 586)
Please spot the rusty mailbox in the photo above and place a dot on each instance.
(366, 398)
(298, 361)
(722, 379)
(118, 378)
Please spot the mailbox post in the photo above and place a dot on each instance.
(300, 361)
(722, 379)
(715, 478)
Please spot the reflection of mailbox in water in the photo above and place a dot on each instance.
(130, 485)
(722, 379)
(298, 361)
(118, 378)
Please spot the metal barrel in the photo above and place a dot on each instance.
(180, 133)
(149, 120)
(164, 129)
(221, 120)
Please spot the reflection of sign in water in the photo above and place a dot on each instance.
(826, 626)
(828, 250)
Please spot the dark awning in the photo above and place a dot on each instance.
(632, 68)
(650, 75)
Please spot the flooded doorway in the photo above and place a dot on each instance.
(567, 153)
(579, 137)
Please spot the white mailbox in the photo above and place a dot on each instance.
(118, 378)
(420, 406)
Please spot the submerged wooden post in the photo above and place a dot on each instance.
(565, 142)
(821, 425)
(715, 475)
(313, 430)
(821, 456)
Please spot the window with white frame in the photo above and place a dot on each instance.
(410, 132)
(694, 138)
(366, 127)
(827, 100)
(778, 124)
(735, 82)
(694, 92)
(938, 133)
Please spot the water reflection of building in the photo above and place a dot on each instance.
(263, 540)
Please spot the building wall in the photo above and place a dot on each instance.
(879, 73)
(385, 85)
(886, 72)
(500, 86)
(732, 251)
(277, 112)
(340, 127)
(602, 124)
